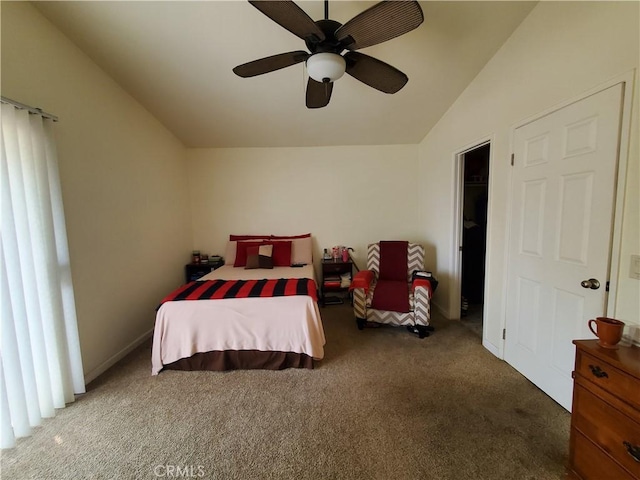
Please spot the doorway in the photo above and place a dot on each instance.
(474, 166)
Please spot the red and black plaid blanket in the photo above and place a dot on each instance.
(217, 289)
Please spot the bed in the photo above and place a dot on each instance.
(266, 332)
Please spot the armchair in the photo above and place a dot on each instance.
(394, 289)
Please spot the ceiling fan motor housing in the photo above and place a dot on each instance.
(330, 42)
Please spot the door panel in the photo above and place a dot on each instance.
(562, 200)
(532, 223)
(576, 198)
(529, 301)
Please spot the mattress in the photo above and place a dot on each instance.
(289, 324)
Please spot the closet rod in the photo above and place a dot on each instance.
(33, 110)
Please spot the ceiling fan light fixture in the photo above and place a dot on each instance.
(326, 67)
(326, 39)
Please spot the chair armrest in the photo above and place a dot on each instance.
(422, 283)
(363, 279)
(422, 276)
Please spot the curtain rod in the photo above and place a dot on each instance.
(33, 110)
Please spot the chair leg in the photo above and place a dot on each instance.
(361, 322)
(423, 331)
(420, 330)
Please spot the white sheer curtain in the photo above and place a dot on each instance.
(40, 361)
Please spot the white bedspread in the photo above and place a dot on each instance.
(285, 324)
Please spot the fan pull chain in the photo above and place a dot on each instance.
(304, 78)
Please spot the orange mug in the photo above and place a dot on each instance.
(608, 331)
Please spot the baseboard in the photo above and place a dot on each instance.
(96, 372)
(441, 310)
(491, 347)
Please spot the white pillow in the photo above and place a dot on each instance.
(301, 250)
(230, 253)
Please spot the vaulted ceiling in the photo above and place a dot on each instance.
(176, 59)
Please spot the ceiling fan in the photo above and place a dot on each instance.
(327, 39)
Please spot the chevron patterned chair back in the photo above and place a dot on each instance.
(417, 319)
(415, 258)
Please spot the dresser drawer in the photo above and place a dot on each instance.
(336, 268)
(589, 462)
(606, 426)
(610, 378)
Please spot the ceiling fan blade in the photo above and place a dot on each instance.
(374, 72)
(290, 16)
(270, 64)
(382, 22)
(318, 94)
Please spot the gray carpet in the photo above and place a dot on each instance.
(383, 404)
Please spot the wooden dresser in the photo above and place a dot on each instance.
(605, 421)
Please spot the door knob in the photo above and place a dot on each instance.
(592, 283)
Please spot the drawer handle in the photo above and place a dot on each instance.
(633, 450)
(598, 372)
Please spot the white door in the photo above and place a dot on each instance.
(562, 201)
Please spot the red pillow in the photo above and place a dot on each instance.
(241, 252)
(281, 253)
(235, 238)
(290, 237)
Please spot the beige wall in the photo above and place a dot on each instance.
(123, 181)
(342, 195)
(627, 303)
(135, 208)
(559, 51)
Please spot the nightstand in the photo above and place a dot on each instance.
(193, 271)
(332, 271)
